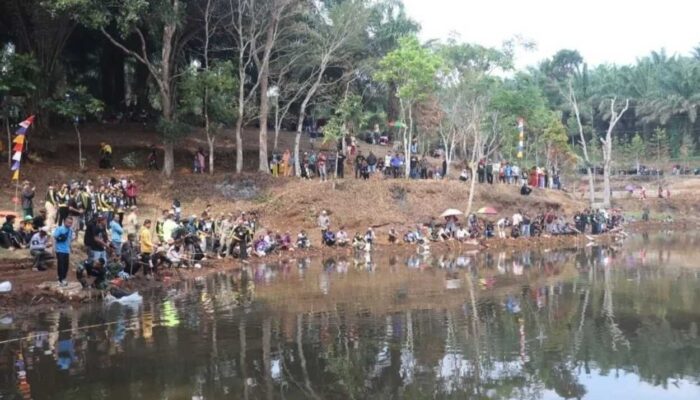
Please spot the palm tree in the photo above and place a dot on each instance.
(677, 97)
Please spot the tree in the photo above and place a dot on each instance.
(76, 105)
(658, 146)
(276, 10)
(165, 23)
(686, 149)
(637, 149)
(577, 114)
(607, 143)
(331, 46)
(17, 76)
(413, 69)
(207, 89)
(207, 95)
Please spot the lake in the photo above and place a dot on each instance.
(599, 322)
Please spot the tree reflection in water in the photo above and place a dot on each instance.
(528, 325)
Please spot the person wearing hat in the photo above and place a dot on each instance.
(38, 248)
(26, 229)
(28, 199)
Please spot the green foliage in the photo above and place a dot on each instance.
(18, 77)
(412, 68)
(658, 145)
(349, 112)
(75, 104)
(208, 91)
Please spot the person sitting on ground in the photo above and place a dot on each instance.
(174, 255)
(393, 235)
(488, 232)
(10, 238)
(38, 248)
(464, 176)
(285, 241)
(26, 230)
(262, 246)
(462, 234)
(329, 238)
(358, 242)
(410, 237)
(341, 238)
(95, 268)
(525, 190)
(442, 234)
(303, 241)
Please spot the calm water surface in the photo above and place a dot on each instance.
(597, 323)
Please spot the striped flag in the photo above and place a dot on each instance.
(18, 147)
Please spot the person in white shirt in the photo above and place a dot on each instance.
(501, 228)
(341, 238)
(174, 255)
(38, 246)
(517, 219)
(461, 234)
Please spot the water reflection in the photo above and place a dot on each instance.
(536, 324)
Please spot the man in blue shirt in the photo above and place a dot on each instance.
(63, 236)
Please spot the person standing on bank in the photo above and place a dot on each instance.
(63, 237)
(28, 199)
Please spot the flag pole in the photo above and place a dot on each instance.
(16, 192)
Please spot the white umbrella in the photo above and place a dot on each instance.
(451, 212)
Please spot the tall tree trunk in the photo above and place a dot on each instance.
(239, 145)
(211, 141)
(81, 164)
(263, 165)
(409, 153)
(168, 158)
(472, 186)
(278, 123)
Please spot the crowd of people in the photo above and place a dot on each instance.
(119, 245)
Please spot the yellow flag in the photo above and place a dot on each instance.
(15, 176)
(19, 139)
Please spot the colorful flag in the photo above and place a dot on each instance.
(18, 147)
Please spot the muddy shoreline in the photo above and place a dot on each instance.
(27, 295)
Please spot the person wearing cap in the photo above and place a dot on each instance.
(28, 199)
(26, 229)
(38, 248)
